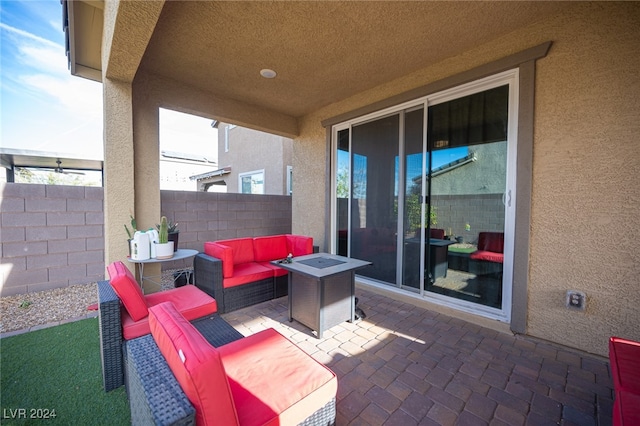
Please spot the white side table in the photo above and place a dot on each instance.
(177, 255)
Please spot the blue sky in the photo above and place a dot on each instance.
(44, 108)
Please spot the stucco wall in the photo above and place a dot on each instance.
(251, 150)
(585, 202)
(584, 228)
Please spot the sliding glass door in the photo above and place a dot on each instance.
(423, 191)
(374, 199)
(468, 142)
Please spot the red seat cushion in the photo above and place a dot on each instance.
(273, 381)
(189, 300)
(277, 271)
(270, 248)
(196, 365)
(488, 256)
(128, 290)
(246, 273)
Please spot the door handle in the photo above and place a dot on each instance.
(506, 198)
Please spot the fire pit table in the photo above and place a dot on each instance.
(321, 289)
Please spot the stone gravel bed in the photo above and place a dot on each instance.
(31, 311)
(24, 312)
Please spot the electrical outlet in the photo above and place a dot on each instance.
(576, 300)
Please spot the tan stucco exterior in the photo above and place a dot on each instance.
(586, 191)
(585, 166)
(244, 150)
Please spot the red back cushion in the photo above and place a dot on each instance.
(491, 241)
(299, 245)
(272, 247)
(242, 249)
(128, 290)
(222, 252)
(437, 233)
(195, 364)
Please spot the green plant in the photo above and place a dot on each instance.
(134, 227)
(171, 227)
(25, 304)
(163, 234)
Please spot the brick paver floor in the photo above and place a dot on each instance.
(406, 365)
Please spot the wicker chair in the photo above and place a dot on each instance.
(126, 318)
(244, 381)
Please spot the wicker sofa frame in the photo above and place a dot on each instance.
(111, 336)
(155, 397)
(207, 274)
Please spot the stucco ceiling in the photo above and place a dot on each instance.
(322, 51)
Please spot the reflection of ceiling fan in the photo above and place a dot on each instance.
(59, 169)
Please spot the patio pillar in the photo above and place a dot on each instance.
(131, 141)
(146, 164)
(119, 194)
(131, 167)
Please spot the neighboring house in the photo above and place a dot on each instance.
(176, 169)
(384, 86)
(254, 163)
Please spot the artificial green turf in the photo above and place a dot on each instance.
(462, 249)
(57, 369)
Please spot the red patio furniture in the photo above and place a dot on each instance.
(261, 379)
(624, 357)
(123, 312)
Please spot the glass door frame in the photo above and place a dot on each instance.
(510, 78)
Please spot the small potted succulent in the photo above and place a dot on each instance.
(131, 232)
(164, 247)
(174, 233)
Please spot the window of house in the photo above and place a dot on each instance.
(289, 180)
(251, 182)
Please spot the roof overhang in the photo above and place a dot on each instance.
(82, 23)
(12, 158)
(213, 174)
(323, 52)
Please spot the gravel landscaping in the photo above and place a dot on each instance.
(24, 311)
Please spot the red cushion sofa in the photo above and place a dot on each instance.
(123, 312)
(624, 357)
(237, 272)
(262, 379)
(490, 247)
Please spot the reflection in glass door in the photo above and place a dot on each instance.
(468, 140)
(374, 217)
(413, 225)
(426, 203)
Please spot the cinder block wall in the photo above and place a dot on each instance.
(51, 236)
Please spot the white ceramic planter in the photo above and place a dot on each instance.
(164, 251)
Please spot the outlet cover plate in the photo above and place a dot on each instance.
(576, 300)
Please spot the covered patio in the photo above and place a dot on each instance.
(573, 99)
(404, 364)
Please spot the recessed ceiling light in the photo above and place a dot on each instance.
(267, 73)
